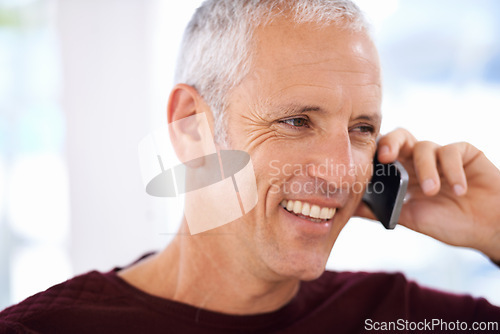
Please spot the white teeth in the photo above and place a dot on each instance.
(324, 213)
(297, 207)
(331, 213)
(315, 210)
(307, 209)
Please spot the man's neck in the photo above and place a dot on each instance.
(197, 271)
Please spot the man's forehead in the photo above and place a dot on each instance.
(285, 42)
(311, 55)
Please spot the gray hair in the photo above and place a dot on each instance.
(215, 53)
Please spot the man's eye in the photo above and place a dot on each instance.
(297, 122)
(364, 129)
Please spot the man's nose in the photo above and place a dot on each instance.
(331, 160)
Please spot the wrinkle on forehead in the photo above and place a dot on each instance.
(287, 42)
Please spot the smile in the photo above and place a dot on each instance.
(309, 211)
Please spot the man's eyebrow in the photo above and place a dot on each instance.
(374, 118)
(294, 109)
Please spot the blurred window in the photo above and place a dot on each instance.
(33, 177)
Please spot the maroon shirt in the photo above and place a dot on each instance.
(341, 302)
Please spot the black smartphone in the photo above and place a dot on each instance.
(386, 191)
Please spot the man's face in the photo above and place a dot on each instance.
(308, 114)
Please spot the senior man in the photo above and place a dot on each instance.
(295, 82)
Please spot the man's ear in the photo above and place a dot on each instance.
(190, 125)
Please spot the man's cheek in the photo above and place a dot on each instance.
(363, 173)
(363, 163)
(274, 184)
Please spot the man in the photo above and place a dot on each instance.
(295, 83)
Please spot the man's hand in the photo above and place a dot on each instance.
(453, 192)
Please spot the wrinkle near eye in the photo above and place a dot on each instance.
(256, 128)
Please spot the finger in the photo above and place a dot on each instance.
(469, 152)
(424, 160)
(397, 143)
(451, 161)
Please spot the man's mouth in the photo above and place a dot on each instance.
(312, 212)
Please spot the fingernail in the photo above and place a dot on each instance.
(458, 189)
(383, 150)
(428, 185)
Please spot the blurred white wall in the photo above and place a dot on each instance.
(109, 78)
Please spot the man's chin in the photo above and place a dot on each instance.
(311, 275)
(301, 267)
